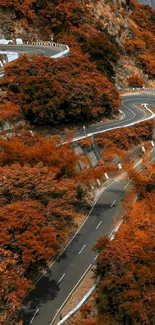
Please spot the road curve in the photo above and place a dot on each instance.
(52, 290)
(30, 50)
(44, 303)
(56, 285)
(132, 115)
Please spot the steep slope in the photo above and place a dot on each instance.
(100, 28)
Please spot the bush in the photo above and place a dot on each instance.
(135, 80)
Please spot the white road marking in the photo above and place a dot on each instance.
(61, 278)
(152, 149)
(127, 184)
(98, 196)
(34, 315)
(89, 267)
(96, 257)
(118, 127)
(112, 204)
(82, 249)
(98, 224)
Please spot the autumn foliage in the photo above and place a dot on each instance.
(135, 80)
(125, 266)
(13, 285)
(125, 140)
(41, 196)
(9, 112)
(141, 43)
(60, 91)
(42, 191)
(22, 8)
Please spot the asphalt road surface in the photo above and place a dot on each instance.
(132, 114)
(44, 303)
(30, 50)
(55, 286)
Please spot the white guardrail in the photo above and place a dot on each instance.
(64, 47)
(138, 89)
(74, 310)
(64, 51)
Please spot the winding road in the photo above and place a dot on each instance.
(55, 286)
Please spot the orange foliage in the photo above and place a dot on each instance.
(134, 46)
(39, 206)
(13, 285)
(143, 16)
(126, 268)
(58, 91)
(125, 140)
(9, 112)
(141, 40)
(23, 8)
(24, 224)
(135, 80)
(148, 63)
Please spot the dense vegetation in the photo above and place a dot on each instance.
(42, 192)
(126, 265)
(79, 87)
(140, 43)
(125, 293)
(55, 92)
(41, 196)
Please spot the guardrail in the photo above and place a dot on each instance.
(64, 47)
(137, 89)
(78, 306)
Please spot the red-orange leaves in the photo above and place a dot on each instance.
(135, 80)
(60, 91)
(23, 8)
(25, 231)
(9, 112)
(13, 285)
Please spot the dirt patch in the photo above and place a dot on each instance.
(147, 113)
(77, 295)
(152, 108)
(134, 92)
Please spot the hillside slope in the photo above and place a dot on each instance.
(118, 37)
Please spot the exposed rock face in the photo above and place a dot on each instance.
(11, 27)
(113, 16)
(7, 18)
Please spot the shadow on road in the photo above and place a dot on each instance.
(46, 290)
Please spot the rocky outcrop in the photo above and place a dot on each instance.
(7, 18)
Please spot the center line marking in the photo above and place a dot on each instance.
(127, 184)
(82, 249)
(61, 278)
(112, 204)
(98, 224)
